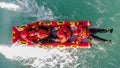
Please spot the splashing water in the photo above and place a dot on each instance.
(9, 6)
(40, 57)
(30, 9)
(33, 9)
(53, 57)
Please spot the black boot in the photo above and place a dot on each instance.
(105, 30)
(110, 30)
(109, 41)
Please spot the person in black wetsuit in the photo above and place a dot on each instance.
(53, 34)
(93, 31)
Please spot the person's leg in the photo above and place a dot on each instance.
(96, 30)
(100, 39)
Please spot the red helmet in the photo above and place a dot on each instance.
(43, 33)
(64, 34)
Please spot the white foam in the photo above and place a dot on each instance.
(9, 6)
(39, 57)
(33, 9)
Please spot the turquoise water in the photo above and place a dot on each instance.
(103, 13)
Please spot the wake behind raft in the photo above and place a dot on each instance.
(54, 34)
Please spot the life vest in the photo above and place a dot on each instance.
(34, 35)
(81, 33)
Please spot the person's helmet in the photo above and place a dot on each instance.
(43, 33)
(23, 34)
(64, 34)
(61, 36)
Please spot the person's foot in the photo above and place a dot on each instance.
(111, 30)
(109, 41)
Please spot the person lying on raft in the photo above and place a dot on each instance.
(33, 35)
(80, 31)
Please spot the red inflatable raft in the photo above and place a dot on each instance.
(53, 34)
